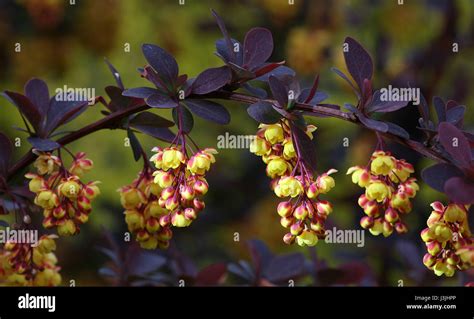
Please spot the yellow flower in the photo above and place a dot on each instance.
(401, 172)
(454, 213)
(378, 191)
(131, 197)
(70, 189)
(172, 158)
(163, 179)
(91, 190)
(360, 176)
(179, 220)
(325, 182)
(81, 164)
(67, 228)
(401, 202)
(288, 149)
(150, 243)
(134, 219)
(277, 166)
(201, 162)
(310, 129)
(259, 146)
(47, 277)
(36, 183)
(382, 164)
(288, 186)
(273, 133)
(307, 238)
(46, 199)
(46, 163)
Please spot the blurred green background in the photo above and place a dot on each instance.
(411, 44)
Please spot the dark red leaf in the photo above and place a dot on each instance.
(260, 254)
(269, 67)
(140, 92)
(263, 112)
(258, 47)
(209, 110)
(358, 62)
(460, 190)
(455, 143)
(115, 74)
(43, 144)
(285, 267)
(440, 108)
(26, 107)
(397, 130)
(437, 175)
(279, 91)
(211, 275)
(160, 100)
(377, 105)
(305, 146)
(6, 151)
(37, 92)
(162, 62)
(278, 72)
(211, 80)
(228, 41)
(187, 121)
(61, 112)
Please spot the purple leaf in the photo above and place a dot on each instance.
(162, 62)
(211, 80)
(117, 100)
(267, 68)
(263, 112)
(278, 72)
(228, 41)
(285, 267)
(397, 130)
(145, 262)
(115, 74)
(43, 144)
(261, 255)
(455, 143)
(151, 75)
(140, 92)
(437, 175)
(440, 108)
(460, 190)
(358, 62)
(240, 72)
(372, 124)
(187, 121)
(223, 51)
(424, 109)
(28, 109)
(317, 98)
(211, 275)
(61, 112)
(37, 92)
(305, 146)
(160, 100)
(279, 91)
(135, 144)
(455, 115)
(256, 91)
(377, 105)
(258, 46)
(209, 110)
(6, 152)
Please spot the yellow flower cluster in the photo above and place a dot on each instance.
(65, 200)
(388, 191)
(304, 213)
(448, 240)
(26, 265)
(169, 196)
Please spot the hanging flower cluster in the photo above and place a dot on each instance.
(304, 213)
(388, 193)
(169, 196)
(448, 240)
(65, 199)
(26, 265)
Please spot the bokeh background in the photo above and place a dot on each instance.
(411, 44)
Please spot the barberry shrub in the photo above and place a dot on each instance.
(169, 191)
